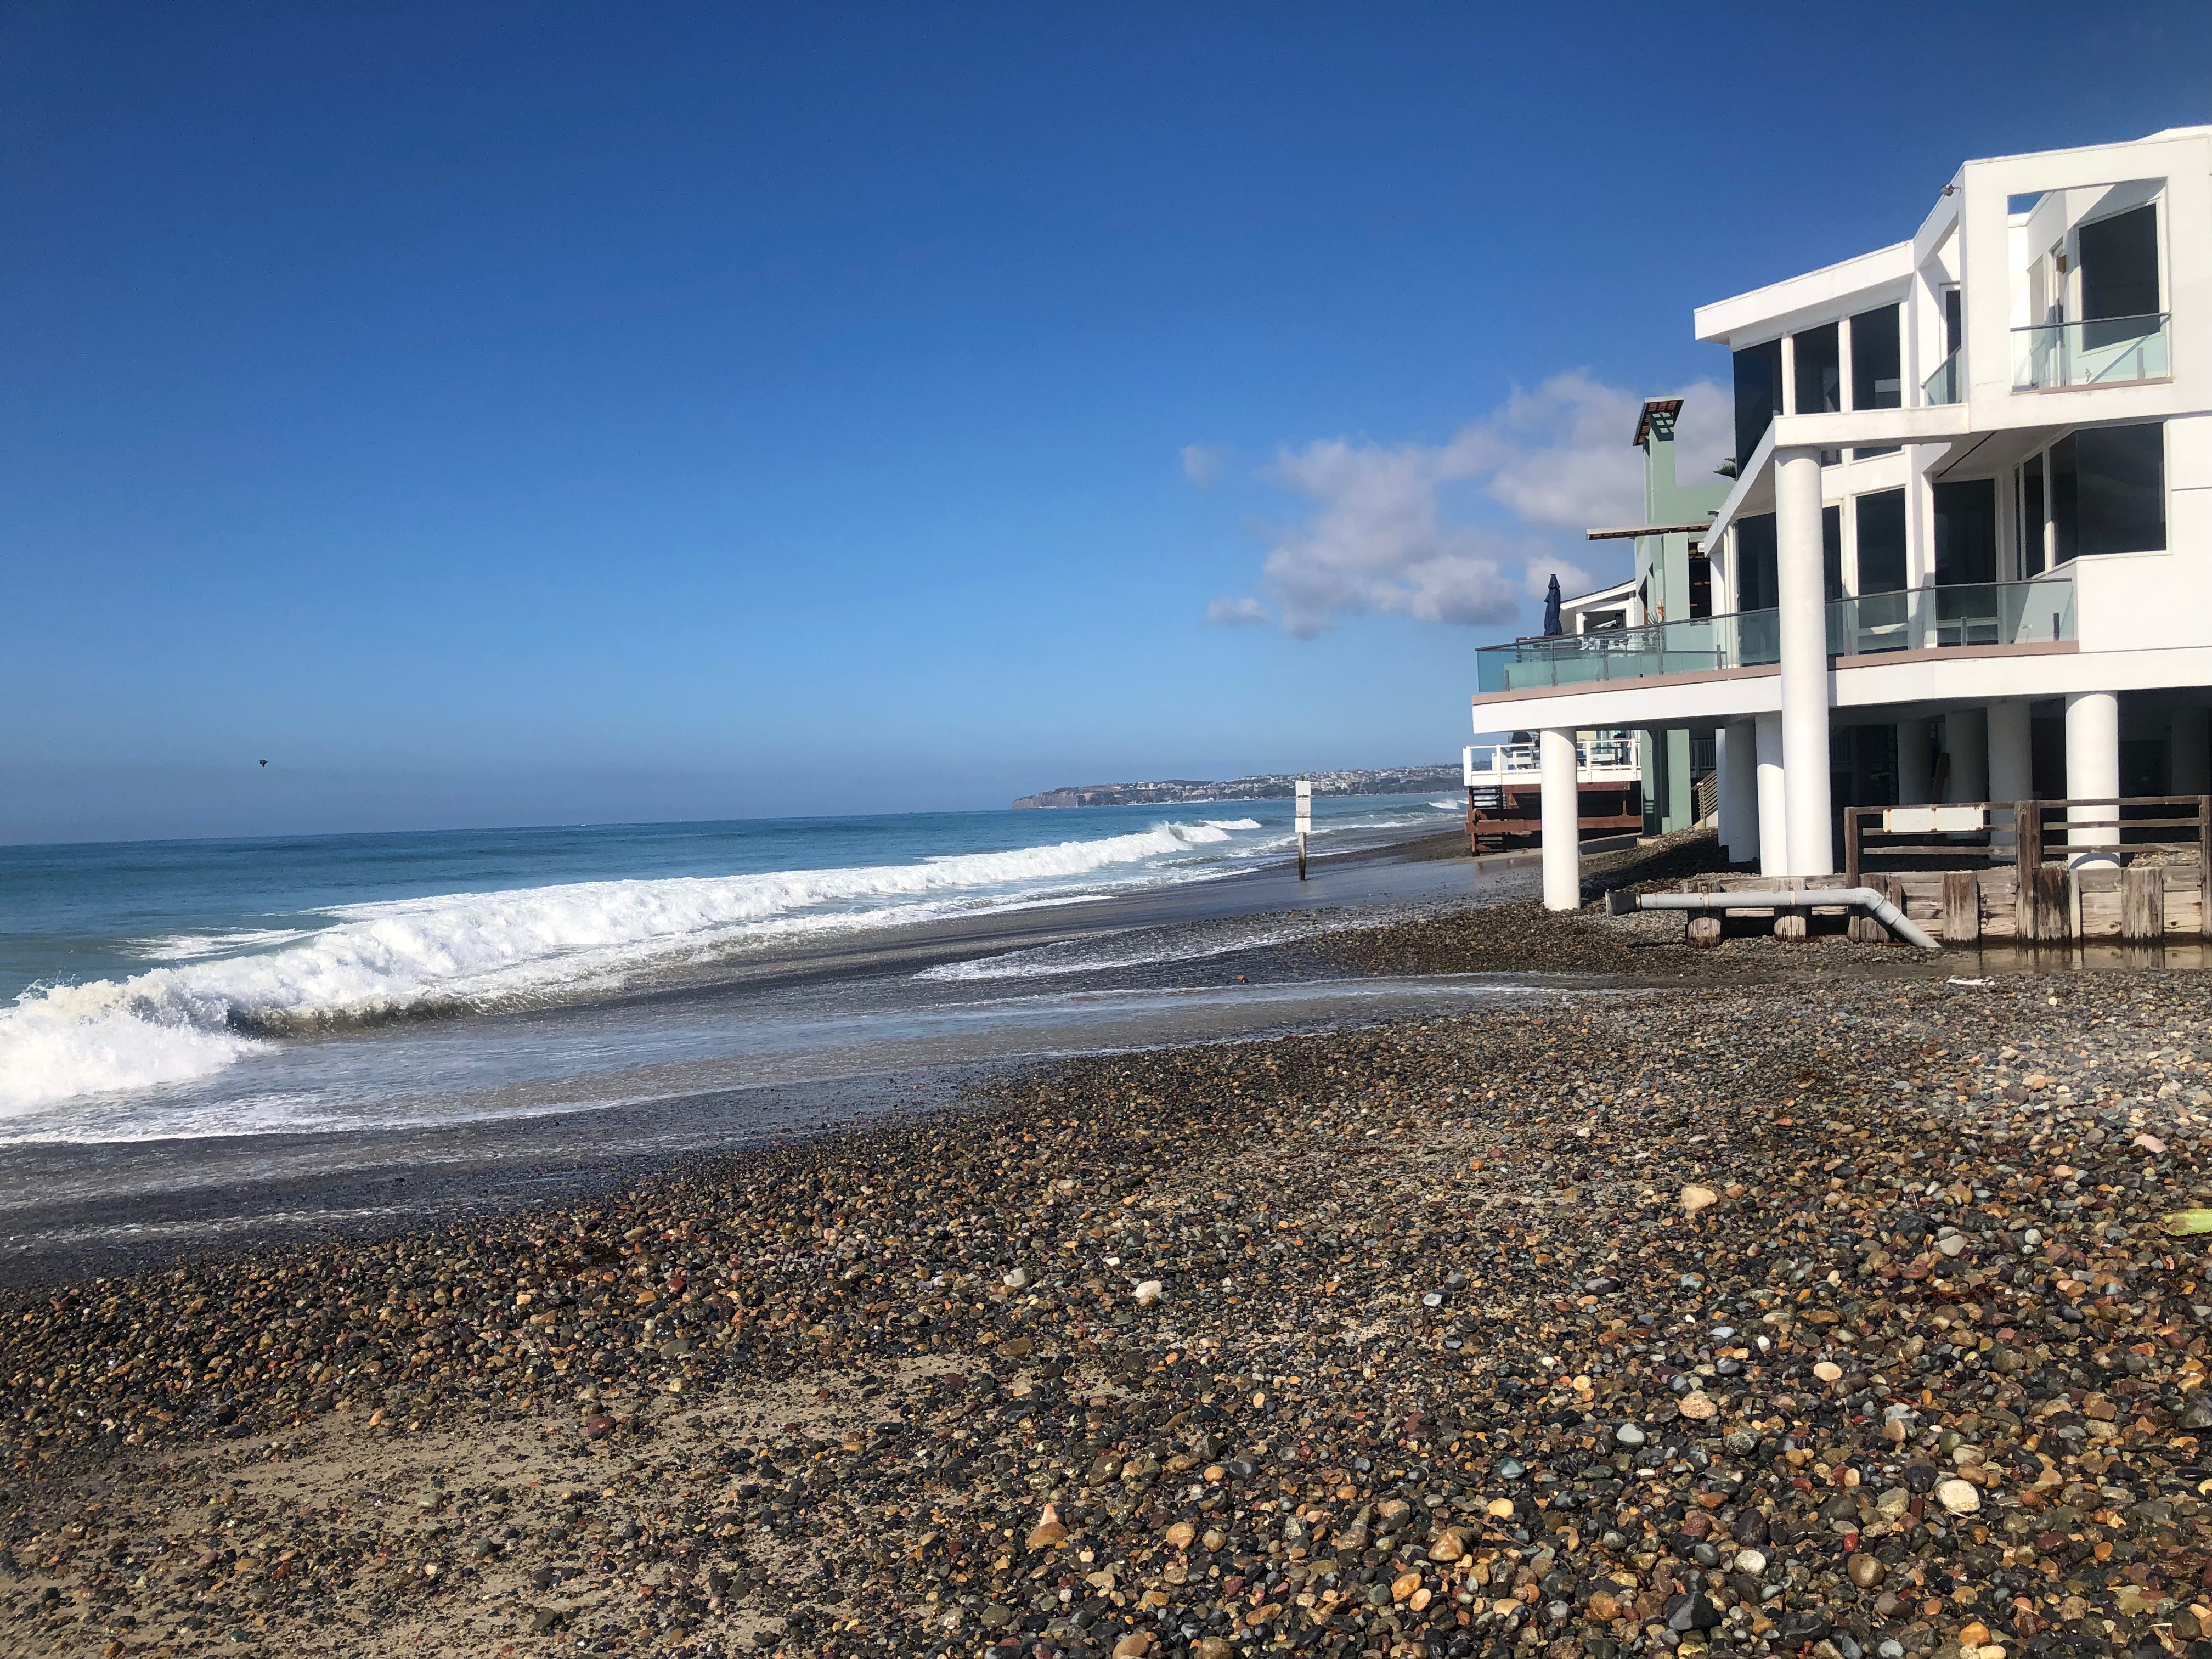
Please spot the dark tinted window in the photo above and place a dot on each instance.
(2119, 265)
(1701, 586)
(1832, 551)
(1965, 532)
(1757, 396)
(2108, 490)
(1955, 322)
(1819, 367)
(1877, 363)
(1877, 366)
(2065, 496)
(1882, 541)
(2031, 516)
(1754, 563)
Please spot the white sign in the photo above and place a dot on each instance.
(1305, 806)
(1931, 820)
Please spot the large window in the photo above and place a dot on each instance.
(1816, 357)
(1756, 588)
(2108, 491)
(1831, 551)
(2031, 517)
(1877, 366)
(1881, 522)
(1965, 532)
(2120, 275)
(1757, 396)
(1820, 366)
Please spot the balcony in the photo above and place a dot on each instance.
(2109, 351)
(1873, 624)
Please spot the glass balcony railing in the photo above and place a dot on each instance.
(1945, 618)
(1943, 385)
(2110, 351)
(1737, 641)
(1916, 619)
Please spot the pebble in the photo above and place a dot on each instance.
(1696, 1198)
(930, 1456)
(1959, 1496)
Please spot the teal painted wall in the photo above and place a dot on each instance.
(1663, 567)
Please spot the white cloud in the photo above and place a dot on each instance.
(1201, 464)
(1238, 613)
(1378, 540)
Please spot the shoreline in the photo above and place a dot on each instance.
(1408, 1273)
(1393, 931)
(71, 1208)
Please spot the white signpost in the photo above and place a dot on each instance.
(1306, 821)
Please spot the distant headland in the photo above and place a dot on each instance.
(1265, 785)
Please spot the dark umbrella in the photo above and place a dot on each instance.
(1551, 624)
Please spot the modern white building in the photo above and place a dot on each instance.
(1967, 554)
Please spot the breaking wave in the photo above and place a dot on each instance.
(458, 952)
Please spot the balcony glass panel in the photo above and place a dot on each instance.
(1946, 618)
(1916, 619)
(2110, 351)
(1944, 387)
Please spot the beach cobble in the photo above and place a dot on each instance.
(1824, 1316)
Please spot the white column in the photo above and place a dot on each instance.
(1724, 809)
(1967, 735)
(1562, 814)
(2011, 752)
(2011, 757)
(2192, 744)
(1914, 779)
(1736, 748)
(1773, 804)
(1801, 593)
(2093, 761)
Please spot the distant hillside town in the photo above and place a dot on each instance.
(1266, 786)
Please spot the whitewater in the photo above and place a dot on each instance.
(230, 996)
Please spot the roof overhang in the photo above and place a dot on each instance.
(1699, 528)
(1821, 296)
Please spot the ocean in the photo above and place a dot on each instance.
(203, 1034)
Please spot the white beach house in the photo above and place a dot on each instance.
(1967, 554)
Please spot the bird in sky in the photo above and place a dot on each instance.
(265, 763)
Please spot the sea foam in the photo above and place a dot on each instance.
(480, 951)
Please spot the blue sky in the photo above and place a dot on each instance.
(520, 414)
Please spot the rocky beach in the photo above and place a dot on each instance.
(1763, 1300)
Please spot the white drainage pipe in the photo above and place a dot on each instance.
(1797, 898)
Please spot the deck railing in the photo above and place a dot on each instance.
(2035, 612)
(2028, 832)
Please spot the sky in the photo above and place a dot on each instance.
(519, 414)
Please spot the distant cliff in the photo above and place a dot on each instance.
(1266, 786)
